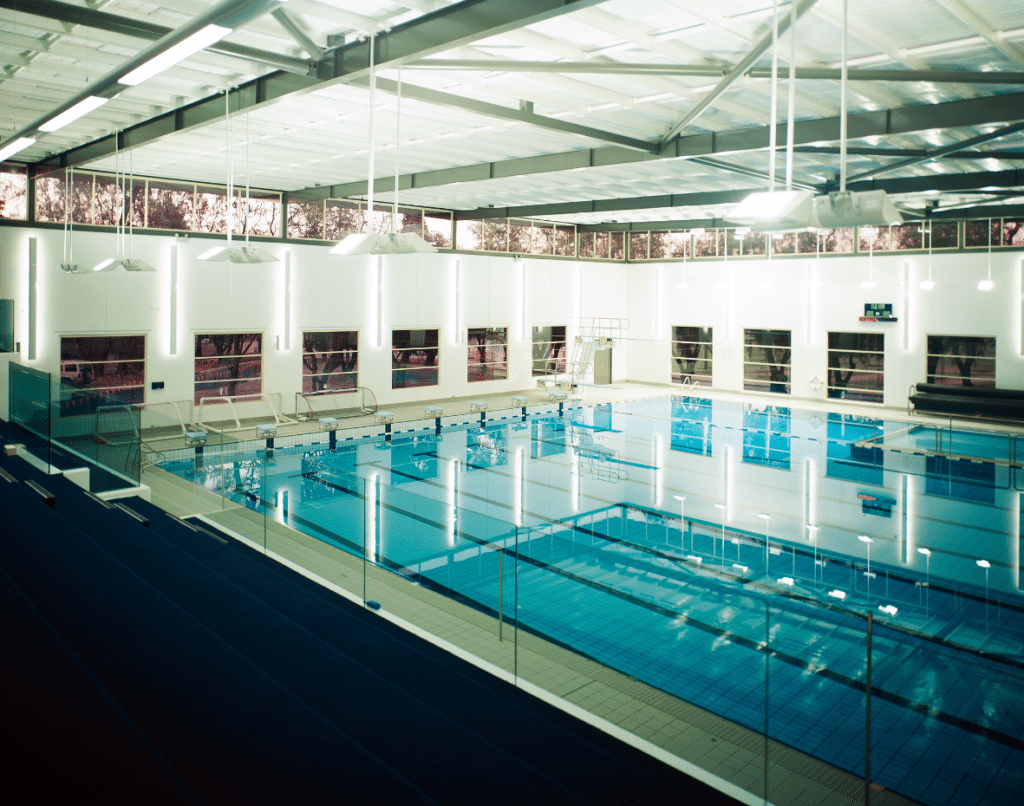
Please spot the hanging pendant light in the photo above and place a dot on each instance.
(228, 252)
(123, 259)
(68, 263)
(369, 242)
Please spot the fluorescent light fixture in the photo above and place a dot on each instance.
(237, 254)
(986, 285)
(867, 285)
(368, 243)
(126, 263)
(83, 107)
(202, 38)
(924, 551)
(134, 264)
(779, 210)
(13, 148)
(984, 563)
(927, 285)
(865, 539)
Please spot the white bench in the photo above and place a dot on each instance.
(383, 417)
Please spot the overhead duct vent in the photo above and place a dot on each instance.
(870, 208)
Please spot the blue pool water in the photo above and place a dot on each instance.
(686, 595)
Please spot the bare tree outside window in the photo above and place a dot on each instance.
(228, 365)
(961, 360)
(766, 360)
(856, 366)
(329, 360)
(692, 355)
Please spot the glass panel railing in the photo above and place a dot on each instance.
(777, 663)
(29, 404)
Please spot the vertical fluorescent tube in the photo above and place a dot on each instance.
(727, 492)
(810, 492)
(32, 298)
(172, 305)
(453, 472)
(517, 490)
(458, 301)
(659, 473)
(575, 486)
(370, 538)
(906, 543)
(287, 299)
(380, 300)
(809, 307)
(521, 267)
(657, 302)
(1019, 542)
(906, 305)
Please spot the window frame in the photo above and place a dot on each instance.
(869, 394)
(487, 368)
(754, 384)
(232, 383)
(309, 374)
(400, 370)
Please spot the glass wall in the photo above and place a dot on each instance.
(68, 427)
(774, 653)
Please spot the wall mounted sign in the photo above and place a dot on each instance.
(878, 312)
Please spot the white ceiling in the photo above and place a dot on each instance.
(319, 136)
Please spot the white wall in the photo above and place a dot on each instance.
(812, 297)
(809, 297)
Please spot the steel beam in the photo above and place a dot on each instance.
(1013, 128)
(139, 29)
(968, 112)
(438, 98)
(745, 64)
(711, 71)
(913, 184)
(440, 30)
(296, 33)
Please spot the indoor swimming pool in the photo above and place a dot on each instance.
(726, 553)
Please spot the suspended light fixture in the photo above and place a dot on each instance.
(236, 254)
(987, 284)
(369, 242)
(123, 260)
(68, 263)
(780, 211)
